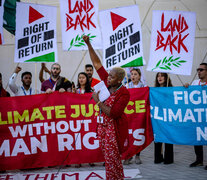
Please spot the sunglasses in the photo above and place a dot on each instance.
(200, 69)
(56, 68)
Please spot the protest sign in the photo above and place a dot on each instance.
(122, 37)
(172, 42)
(35, 38)
(78, 18)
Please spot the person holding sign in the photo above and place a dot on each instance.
(42, 70)
(56, 82)
(202, 74)
(26, 88)
(112, 125)
(163, 80)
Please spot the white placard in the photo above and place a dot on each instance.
(35, 38)
(122, 37)
(172, 42)
(79, 17)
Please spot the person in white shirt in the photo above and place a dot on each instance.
(25, 88)
(202, 74)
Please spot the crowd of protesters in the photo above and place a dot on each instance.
(85, 84)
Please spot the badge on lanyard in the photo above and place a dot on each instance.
(100, 119)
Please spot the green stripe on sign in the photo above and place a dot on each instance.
(44, 58)
(134, 63)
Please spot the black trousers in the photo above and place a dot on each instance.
(199, 153)
(168, 153)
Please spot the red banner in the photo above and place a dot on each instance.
(60, 128)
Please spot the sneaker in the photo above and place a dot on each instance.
(196, 163)
(138, 160)
(205, 168)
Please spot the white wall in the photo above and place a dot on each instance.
(73, 62)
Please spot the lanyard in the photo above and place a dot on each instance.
(51, 82)
(118, 87)
(30, 91)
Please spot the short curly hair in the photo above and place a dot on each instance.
(120, 72)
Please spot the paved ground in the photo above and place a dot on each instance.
(179, 170)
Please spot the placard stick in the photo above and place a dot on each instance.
(35, 78)
(168, 79)
(84, 62)
(99, 54)
(79, 65)
(180, 80)
(126, 78)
